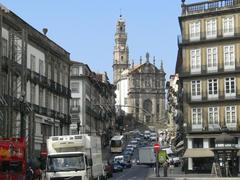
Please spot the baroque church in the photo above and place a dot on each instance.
(140, 88)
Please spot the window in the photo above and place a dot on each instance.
(196, 118)
(33, 89)
(49, 71)
(212, 59)
(230, 115)
(4, 47)
(75, 71)
(41, 98)
(197, 143)
(195, 60)
(33, 62)
(55, 74)
(230, 87)
(125, 101)
(60, 77)
(55, 103)
(212, 88)
(66, 79)
(75, 87)
(41, 67)
(65, 106)
(211, 28)
(213, 115)
(75, 102)
(228, 26)
(229, 57)
(60, 104)
(196, 90)
(194, 30)
(212, 142)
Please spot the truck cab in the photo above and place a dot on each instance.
(75, 157)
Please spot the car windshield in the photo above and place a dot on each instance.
(66, 163)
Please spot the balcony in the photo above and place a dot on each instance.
(43, 81)
(74, 109)
(185, 39)
(204, 70)
(209, 6)
(205, 98)
(211, 128)
(35, 77)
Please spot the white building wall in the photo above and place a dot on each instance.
(5, 33)
(38, 55)
(206, 143)
(122, 94)
(190, 142)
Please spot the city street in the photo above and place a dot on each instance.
(137, 172)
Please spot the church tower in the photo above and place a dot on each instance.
(120, 53)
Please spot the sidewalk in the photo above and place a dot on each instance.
(177, 174)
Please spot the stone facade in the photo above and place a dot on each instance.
(140, 88)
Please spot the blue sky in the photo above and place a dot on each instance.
(86, 28)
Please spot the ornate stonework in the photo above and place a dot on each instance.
(145, 97)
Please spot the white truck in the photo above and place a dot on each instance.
(146, 156)
(74, 157)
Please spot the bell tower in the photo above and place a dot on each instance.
(120, 53)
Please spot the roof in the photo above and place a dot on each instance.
(198, 152)
(117, 137)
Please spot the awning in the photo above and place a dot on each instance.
(198, 152)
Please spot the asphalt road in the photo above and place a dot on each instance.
(137, 172)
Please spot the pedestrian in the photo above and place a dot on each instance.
(38, 173)
(171, 166)
(30, 173)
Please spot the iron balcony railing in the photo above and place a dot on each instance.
(205, 97)
(211, 128)
(203, 36)
(219, 68)
(208, 6)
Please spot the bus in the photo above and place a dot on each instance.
(116, 144)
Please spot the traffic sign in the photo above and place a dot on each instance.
(156, 147)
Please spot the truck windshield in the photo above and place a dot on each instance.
(66, 163)
(116, 143)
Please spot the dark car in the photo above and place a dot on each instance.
(108, 170)
(127, 161)
(128, 152)
(117, 167)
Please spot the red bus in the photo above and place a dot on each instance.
(12, 158)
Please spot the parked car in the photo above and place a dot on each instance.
(128, 152)
(127, 161)
(134, 143)
(117, 167)
(108, 170)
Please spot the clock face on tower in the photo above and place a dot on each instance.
(122, 48)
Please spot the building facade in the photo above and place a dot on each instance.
(208, 66)
(34, 84)
(92, 104)
(140, 88)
